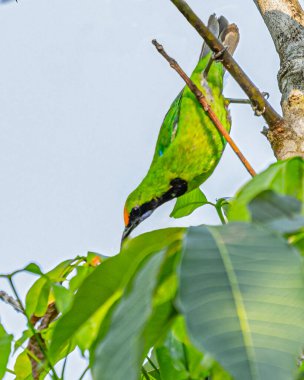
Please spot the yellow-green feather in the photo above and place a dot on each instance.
(188, 146)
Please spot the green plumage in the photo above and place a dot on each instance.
(188, 146)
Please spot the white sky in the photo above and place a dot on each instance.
(82, 96)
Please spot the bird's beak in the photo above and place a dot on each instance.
(178, 188)
(130, 227)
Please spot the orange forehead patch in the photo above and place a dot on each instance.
(126, 217)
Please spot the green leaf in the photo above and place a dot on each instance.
(172, 360)
(158, 324)
(188, 202)
(81, 273)
(23, 368)
(280, 213)
(105, 285)
(88, 332)
(5, 349)
(38, 296)
(63, 298)
(33, 268)
(283, 177)
(177, 357)
(25, 336)
(153, 375)
(297, 241)
(119, 354)
(242, 295)
(91, 256)
(60, 272)
(46, 335)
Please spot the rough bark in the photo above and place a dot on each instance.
(285, 22)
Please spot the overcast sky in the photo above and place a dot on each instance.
(82, 96)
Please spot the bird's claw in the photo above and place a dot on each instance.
(218, 57)
(255, 107)
(257, 111)
(266, 95)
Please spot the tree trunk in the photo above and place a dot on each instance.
(285, 22)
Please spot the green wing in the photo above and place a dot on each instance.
(168, 129)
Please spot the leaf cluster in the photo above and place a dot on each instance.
(205, 302)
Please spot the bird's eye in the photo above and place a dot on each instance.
(135, 213)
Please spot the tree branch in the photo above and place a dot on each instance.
(285, 22)
(200, 97)
(34, 346)
(5, 297)
(272, 118)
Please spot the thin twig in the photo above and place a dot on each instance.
(84, 373)
(237, 101)
(10, 301)
(254, 94)
(65, 361)
(10, 371)
(200, 97)
(220, 214)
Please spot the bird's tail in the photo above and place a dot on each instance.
(227, 33)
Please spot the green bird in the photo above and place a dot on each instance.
(189, 146)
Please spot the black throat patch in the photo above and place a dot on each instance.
(178, 188)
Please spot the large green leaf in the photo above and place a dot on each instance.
(283, 177)
(5, 349)
(242, 295)
(188, 202)
(119, 355)
(278, 212)
(107, 282)
(158, 324)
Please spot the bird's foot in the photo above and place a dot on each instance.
(218, 57)
(255, 107)
(257, 111)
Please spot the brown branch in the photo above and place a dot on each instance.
(256, 97)
(9, 300)
(36, 356)
(200, 97)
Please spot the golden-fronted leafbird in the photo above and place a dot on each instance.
(189, 146)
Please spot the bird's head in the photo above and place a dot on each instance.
(137, 208)
(133, 216)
